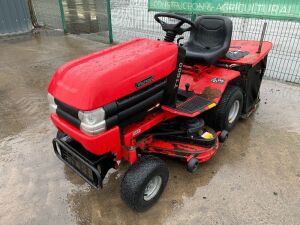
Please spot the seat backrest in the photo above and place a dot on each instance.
(212, 32)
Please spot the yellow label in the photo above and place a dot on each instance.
(212, 105)
(207, 135)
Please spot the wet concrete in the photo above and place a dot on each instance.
(254, 178)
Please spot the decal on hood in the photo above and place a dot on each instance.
(144, 82)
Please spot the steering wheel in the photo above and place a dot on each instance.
(176, 28)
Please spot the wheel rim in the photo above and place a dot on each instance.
(233, 112)
(152, 188)
(195, 167)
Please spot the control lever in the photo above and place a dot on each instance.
(187, 87)
(179, 39)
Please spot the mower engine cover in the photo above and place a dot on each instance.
(105, 76)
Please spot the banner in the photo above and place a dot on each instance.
(270, 9)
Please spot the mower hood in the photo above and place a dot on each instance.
(105, 76)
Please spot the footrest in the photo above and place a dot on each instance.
(192, 107)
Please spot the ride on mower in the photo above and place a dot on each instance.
(144, 98)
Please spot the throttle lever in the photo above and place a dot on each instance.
(179, 39)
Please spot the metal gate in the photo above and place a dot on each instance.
(48, 13)
(14, 17)
(88, 18)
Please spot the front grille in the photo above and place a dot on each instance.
(68, 113)
(128, 109)
(68, 151)
(78, 165)
(122, 111)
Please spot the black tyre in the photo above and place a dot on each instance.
(192, 165)
(228, 111)
(144, 182)
(223, 136)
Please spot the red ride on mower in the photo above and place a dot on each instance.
(144, 98)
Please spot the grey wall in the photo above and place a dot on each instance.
(14, 17)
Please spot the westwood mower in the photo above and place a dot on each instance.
(144, 98)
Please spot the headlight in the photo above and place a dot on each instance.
(92, 122)
(52, 105)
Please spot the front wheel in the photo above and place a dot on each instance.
(144, 183)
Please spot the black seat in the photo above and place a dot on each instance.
(209, 41)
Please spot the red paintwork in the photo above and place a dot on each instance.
(158, 146)
(136, 129)
(199, 78)
(201, 81)
(102, 77)
(108, 141)
(180, 150)
(129, 155)
(250, 46)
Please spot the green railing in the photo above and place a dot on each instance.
(274, 9)
(132, 19)
(62, 14)
(89, 18)
(122, 20)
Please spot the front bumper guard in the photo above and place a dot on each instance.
(89, 167)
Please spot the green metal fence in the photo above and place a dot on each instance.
(87, 18)
(268, 9)
(122, 20)
(48, 13)
(132, 19)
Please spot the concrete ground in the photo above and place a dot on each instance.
(254, 178)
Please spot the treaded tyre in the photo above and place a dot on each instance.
(228, 111)
(223, 136)
(144, 182)
(192, 165)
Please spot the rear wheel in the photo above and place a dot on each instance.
(144, 182)
(228, 111)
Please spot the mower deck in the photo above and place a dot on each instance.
(182, 150)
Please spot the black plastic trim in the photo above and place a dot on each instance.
(110, 109)
(68, 117)
(68, 109)
(112, 121)
(97, 182)
(173, 80)
(130, 112)
(116, 112)
(140, 106)
(137, 97)
(113, 108)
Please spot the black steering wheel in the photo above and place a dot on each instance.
(173, 29)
